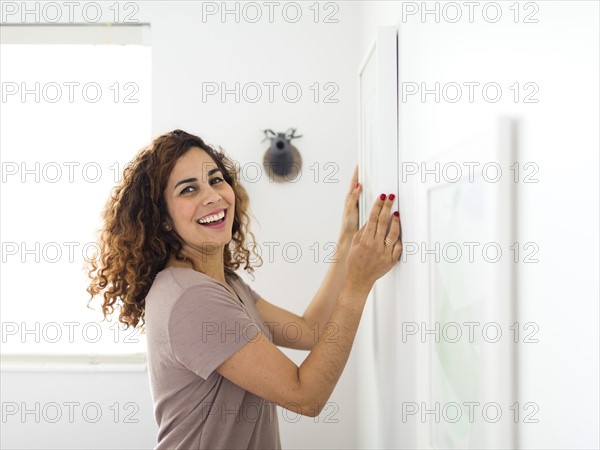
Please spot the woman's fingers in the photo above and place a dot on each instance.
(372, 223)
(350, 217)
(355, 187)
(397, 250)
(400, 225)
(384, 217)
(394, 236)
(354, 181)
(375, 250)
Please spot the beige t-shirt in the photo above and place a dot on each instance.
(193, 324)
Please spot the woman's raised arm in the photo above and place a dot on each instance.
(261, 368)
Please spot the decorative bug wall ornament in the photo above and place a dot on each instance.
(282, 160)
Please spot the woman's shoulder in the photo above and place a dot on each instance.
(183, 277)
(171, 285)
(175, 282)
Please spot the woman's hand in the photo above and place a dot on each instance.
(350, 217)
(374, 250)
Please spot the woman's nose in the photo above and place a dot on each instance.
(211, 196)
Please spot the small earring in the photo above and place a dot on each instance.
(167, 227)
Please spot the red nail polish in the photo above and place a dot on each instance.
(397, 214)
(392, 196)
(382, 196)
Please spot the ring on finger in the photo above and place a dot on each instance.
(389, 241)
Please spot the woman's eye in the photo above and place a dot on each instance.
(213, 181)
(185, 190)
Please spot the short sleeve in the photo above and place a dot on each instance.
(253, 294)
(206, 326)
(256, 297)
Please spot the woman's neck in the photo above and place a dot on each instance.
(211, 266)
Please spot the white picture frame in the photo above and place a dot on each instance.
(378, 120)
(472, 370)
(378, 173)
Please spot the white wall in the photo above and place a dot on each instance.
(73, 410)
(560, 133)
(185, 53)
(560, 213)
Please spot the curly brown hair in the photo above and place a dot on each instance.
(133, 245)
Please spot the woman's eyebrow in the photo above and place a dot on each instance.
(187, 180)
(190, 180)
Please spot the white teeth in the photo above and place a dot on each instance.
(212, 218)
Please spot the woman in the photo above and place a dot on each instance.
(174, 233)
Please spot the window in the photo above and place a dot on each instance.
(75, 108)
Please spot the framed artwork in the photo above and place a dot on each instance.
(471, 291)
(378, 119)
(378, 172)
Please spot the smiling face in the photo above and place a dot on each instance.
(200, 203)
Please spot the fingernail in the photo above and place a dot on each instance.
(357, 184)
(396, 213)
(382, 196)
(392, 197)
